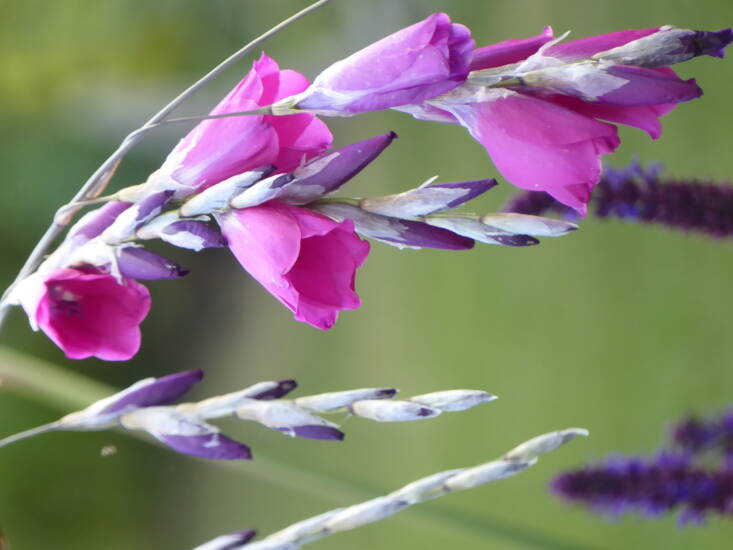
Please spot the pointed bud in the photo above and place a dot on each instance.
(542, 444)
(392, 411)
(142, 265)
(668, 46)
(286, 417)
(399, 233)
(524, 224)
(426, 199)
(364, 513)
(191, 234)
(486, 473)
(453, 400)
(425, 489)
(306, 530)
(185, 433)
(144, 393)
(473, 228)
(216, 198)
(135, 216)
(261, 192)
(335, 401)
(224, 405)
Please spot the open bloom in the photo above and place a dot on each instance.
(537, 106)
(217, 149)
(303, 258)
(422, 61)
(87, 312)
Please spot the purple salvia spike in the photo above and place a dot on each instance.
(159, 391)
(427, 199)
(143, 265)
(322, 433)
(213, 445)
(193, 235)
(230, 541)
(400, 233)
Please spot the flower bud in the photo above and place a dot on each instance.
(453, 400)
(334, 401)
(392, 411)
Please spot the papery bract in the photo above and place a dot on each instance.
(422, 61)
(303, 258)
(87, 312)
(220, 148)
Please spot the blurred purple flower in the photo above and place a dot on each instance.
(638, 193)
(651, 486)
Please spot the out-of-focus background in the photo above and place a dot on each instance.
(618, 328)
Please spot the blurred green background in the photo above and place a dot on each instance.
(618, 328)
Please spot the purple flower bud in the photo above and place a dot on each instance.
(427, 199)
(193, 235)
(143, 265)
(136, 216)
(474, 228)
(417, 63)
(185, 433)
(93, 223)
(400, 233)
(152, 391)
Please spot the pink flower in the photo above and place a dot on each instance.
(537, 106)
(422, 61)
(306, 260)
(87, 312)
(220, 148)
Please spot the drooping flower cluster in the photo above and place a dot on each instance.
(261, 184)
(638, 193)
(694, 476)
(184, 428)
(537, 105)
(335, 521)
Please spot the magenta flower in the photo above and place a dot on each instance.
(87, 312)
(537, 106)
(306, 260)
(220, 148)
(412, 65)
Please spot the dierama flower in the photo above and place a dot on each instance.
(86, 312)
(304, 259)
(539, 117)
(221, 148)
(412, 65)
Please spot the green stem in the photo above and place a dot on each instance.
(50, 384)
